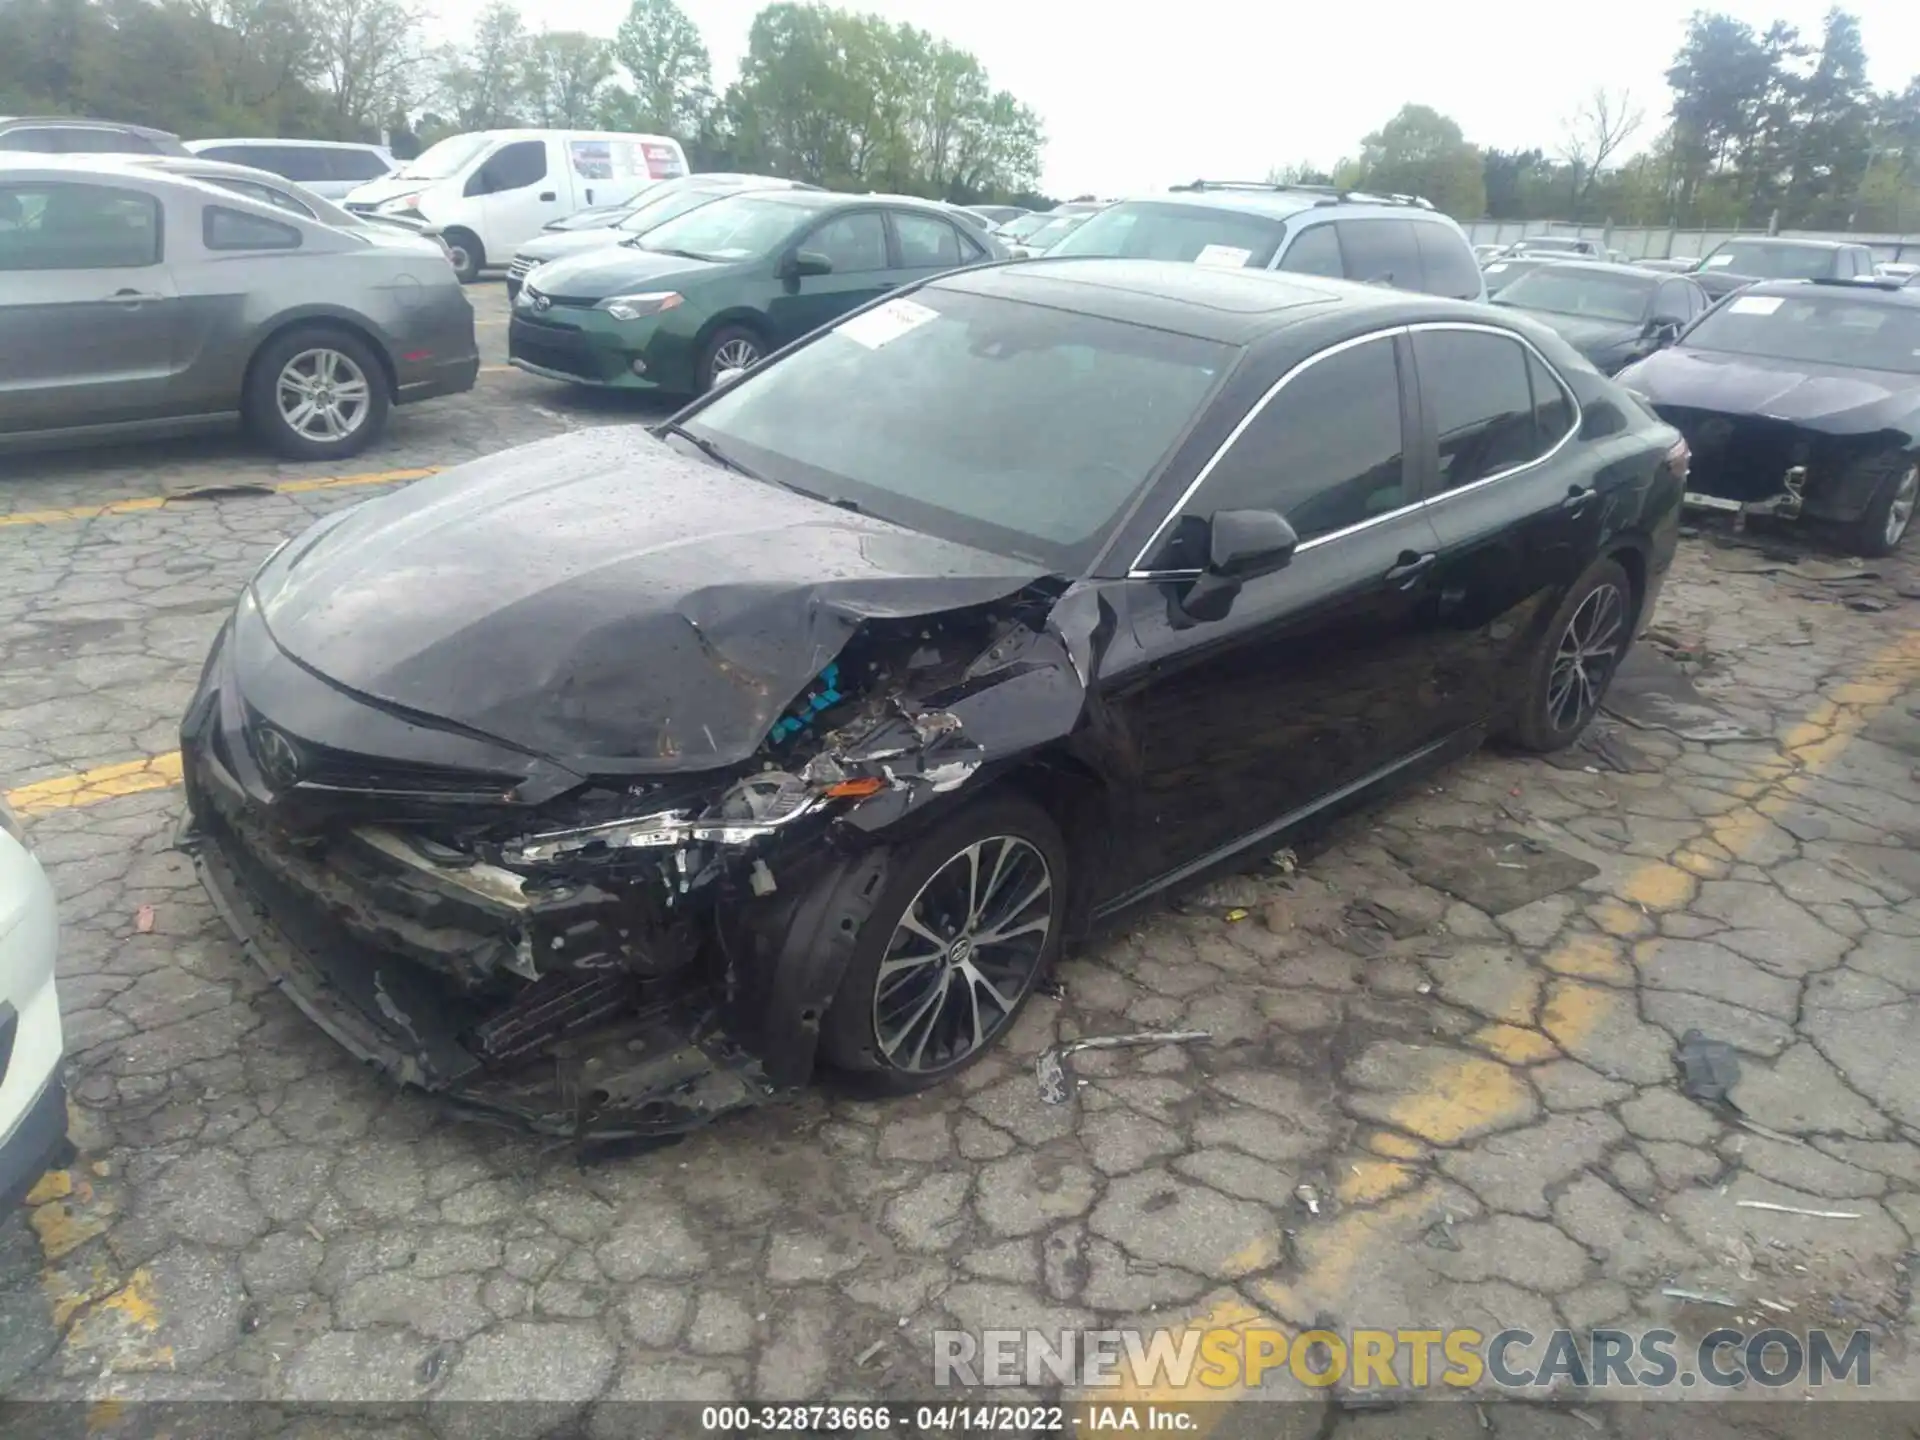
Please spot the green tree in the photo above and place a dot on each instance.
(369, 61)
(661, 49)
(565, 71)
(1422, 152)
(484, 83)
(1832, 148)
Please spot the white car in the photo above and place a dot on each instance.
(33, 1095)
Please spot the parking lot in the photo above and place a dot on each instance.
(1412, 1112)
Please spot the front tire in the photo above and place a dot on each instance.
(1569, 674)
(317, 393)
(969, 918)
(731, 347)
(1889, 514)
(467, 254)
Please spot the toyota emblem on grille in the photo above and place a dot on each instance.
(278, 758)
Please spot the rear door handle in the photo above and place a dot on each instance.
(549, 195)
(1411, 567)
(1577, 497)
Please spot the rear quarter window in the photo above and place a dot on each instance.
(1382, 252)
(1446, 260)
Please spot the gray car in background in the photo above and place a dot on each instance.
(136, 302)
(653, 206)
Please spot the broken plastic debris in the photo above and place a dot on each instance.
(1236, 914)
(1702, 1297)
(1051, 1069)
(761, 879)
(1797, 1210)
(1285, 861)
(143, 919)
(865, 1357)
(1309, 1197)
(1440, 1235)
(1709, 1069)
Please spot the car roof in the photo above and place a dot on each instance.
(1601, 267)
(291, 144)
(834, 199)
(84, 122)
(1801, 242)
(1233, 307)
(1278, 202)
(1864, 287)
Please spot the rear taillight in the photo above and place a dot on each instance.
(1679, 460)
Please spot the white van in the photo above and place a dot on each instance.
(329, 168)
(490, 190)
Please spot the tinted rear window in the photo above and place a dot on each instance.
(1447, 262)
(1382, 252)
(1830, 329)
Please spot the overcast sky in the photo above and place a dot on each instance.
(1136, 98)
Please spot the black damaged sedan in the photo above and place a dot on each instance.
(614, 782)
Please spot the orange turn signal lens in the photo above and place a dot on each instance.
(854, 789)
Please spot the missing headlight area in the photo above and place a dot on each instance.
(634, 956)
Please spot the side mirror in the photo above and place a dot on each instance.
(807, 262)
(1240, 545)
(1664, 329)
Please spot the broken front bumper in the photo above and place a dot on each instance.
(624, 1065)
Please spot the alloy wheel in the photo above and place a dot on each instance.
(735, 354)
(323, 395)
(1900, 511)
(1582, 664)
(963, 955)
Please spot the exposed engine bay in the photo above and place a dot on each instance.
(639, 954)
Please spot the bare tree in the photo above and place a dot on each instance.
(1595, 133)
(369, 53)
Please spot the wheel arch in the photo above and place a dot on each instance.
(333, 320)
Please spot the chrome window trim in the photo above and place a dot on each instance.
(1579, 416)
(1136, 572)
(1573, 400)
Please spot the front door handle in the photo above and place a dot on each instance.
(548, 195)
(133, 297)
(1411, 567)
(1577, 497)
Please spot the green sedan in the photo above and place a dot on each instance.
(677, 309)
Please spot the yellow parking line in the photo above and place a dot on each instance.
(156, 502)
(106, 782)
(1461, 1097)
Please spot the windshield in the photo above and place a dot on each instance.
(1153, 230)
(672, 206)
(1820, 329)
(1022, 226)
(1502, 273)
(597, 218)
(1593, 294)
(1772, 260)
(1010, 427)
(449, 157)
(737, 227)
(1047, 236)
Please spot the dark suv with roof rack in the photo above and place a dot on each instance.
(1397, 240)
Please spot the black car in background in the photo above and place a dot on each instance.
(1503, 270)
(1801, 398)
(1735, 264)
(1612, 314)
(610, 782)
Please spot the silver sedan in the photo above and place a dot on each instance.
(137, 302)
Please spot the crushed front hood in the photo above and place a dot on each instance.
(604, 601)
(1821, 397)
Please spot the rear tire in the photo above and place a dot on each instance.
(1889, 514)
(317, 393)
(1583, 646)
(967, 921)
(468, 254)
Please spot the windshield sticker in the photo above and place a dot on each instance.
(1226, 257)
(1496, 267)
(1716, 261)
(1756, 304)
(886, 323)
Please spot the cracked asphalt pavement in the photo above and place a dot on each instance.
(1412, 1113)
